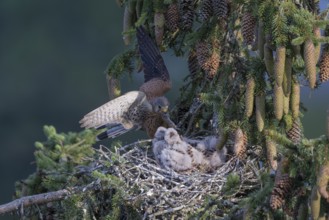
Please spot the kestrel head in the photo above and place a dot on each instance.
(160, 104)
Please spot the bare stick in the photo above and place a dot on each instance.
(26, 201)
(35, 199)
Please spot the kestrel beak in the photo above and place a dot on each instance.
(166, 118)
(164, 109)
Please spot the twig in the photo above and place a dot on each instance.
(27, 201)
(167, 211)
(36, 199)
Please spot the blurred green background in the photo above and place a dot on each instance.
(52, 62)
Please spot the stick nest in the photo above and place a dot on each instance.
(158, 192)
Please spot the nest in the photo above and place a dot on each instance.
(156, 192)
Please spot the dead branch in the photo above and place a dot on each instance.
(27, 201)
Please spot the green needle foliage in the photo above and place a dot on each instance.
(211, 104)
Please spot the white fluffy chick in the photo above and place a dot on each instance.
(171, 152)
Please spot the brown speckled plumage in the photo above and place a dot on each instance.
(145, 108)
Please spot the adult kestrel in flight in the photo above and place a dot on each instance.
(146, 108)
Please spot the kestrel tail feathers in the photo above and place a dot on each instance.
(114, 132)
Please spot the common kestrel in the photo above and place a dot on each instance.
(146, 108)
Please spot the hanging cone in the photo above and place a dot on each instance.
(192, 62)
(283, 186)
(309, 58)
(202, 53)
(187, 13)
(299, 63)
(207, 59)
(172, 17)
(261, 39)
(212, 65)
(159, 21)
(139, 9)
(223, 140)
(254, 45)
(220, 8)
(278, 101)
(279, 64)
(317, 48)
(286, 104)
(324, 65)
(113, 86)
(302, 211)
(323, 180)
(260, 111)
(206, 10)
(248, 26)
(315, 203)
(271, 153)
(128, 21)
(286, 83)
(295, 99)
(240, 143)
(249, 97)
(295, 132)
(269, 60)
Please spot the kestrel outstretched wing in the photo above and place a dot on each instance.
(126, 110)
(156, 76)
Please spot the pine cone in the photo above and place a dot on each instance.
(283, 186)
(206, 10)
(301, 209)
(286, 83)
(113, 86)
(269, 60)
(212, 65)
(248, 28)
(240, 143)
(323, 180)
(276, 201)
(309, 58)
(295, 132)
(278, 101)
(279, 64)
(209, 62)
(315, 202)
(172, 17)
(317, 48)
(187, 14)
(128, 22)
(192, 62)
(159, 21)
(295, 99)
(271, 154)
(260, 111)
(202, 53)
(260, 39)
(324, 65)
(250, 96)
(220, 8)
(286, 104)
